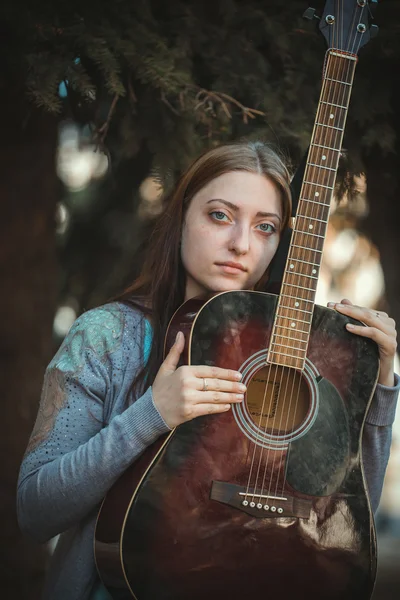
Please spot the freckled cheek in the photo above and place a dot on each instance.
(197, 246)
(263, 260)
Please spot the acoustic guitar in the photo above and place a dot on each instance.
(268, 500)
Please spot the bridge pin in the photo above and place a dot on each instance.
(245, 502)
(273, 508)
(252, 504)
(259, 505)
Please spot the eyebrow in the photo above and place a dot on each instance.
(236, 208)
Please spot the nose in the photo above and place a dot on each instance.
(240, 239)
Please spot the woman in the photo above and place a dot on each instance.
(108, 394)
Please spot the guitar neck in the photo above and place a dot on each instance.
(292, 325)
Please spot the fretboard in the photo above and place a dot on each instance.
(292, 324)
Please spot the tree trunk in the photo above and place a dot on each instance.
(28, 187)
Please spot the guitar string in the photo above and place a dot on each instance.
(339, 99)
(283, 368)
(287, 371)
(321, 117)
(347, 70)
(270, 408)
(255, 445)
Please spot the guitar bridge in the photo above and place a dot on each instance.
(260, 505)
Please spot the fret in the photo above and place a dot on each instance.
(308, 312)
(326, 147)
(290, 338)
(327, 178)
(294, 320)
(328, 187)
(307, 262)
(292, 330)
(312, 218)
(333, 104)
(288, 347)
(308, 233)
(315, 202)
(329, 126)
(337, 81)
(297, 299)
(301, 274)
(321, 167)
(304, 248)
(300, 287)
(285, 354)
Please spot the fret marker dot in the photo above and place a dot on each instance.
(310, 227)
(316, 194)
(324, 157)
(292, 266)
(293, 324)
(331, 116)
(296, 304)
(314, 271)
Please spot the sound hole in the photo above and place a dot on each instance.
(278, 399)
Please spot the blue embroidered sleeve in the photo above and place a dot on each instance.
(78, 449)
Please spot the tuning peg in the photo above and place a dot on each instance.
(309, 14)
(373, 31)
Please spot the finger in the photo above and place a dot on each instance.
(210, 409)
(219, 398)
(172, 359)
(370, 317)
(219, 385)
(347, 302)
(386, 343)
(205, 372)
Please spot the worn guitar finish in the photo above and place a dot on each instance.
(178, 543)
(269, 498)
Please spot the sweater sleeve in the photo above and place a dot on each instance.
(377, 437)
(72, 460)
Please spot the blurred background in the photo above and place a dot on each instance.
(102, 105)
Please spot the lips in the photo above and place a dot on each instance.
(232, 267)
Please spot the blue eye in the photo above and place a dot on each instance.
(218, 215)
(267, 228)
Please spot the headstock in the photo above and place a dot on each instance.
(346, 24)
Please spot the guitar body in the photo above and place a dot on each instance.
(262, 499)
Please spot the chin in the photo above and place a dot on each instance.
(227, 286)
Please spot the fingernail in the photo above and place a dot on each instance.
(242, 387)
(331, 304)
(239, 396)
(350, 326)
(177, 336)
(238, 375)
(227, 406)
(339, 305)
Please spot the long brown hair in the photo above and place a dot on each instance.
(160, 288)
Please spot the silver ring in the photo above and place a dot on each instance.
(377, 314)
(205, 386)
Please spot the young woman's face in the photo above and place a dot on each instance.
(230, 233)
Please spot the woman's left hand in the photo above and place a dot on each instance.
(378, 327)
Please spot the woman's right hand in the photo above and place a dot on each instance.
(179, 393)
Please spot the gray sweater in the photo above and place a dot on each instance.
(89, 430)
